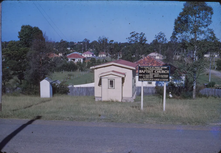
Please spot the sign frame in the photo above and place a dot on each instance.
(154, 73)
(160, 72)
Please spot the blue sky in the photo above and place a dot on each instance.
(77, 20)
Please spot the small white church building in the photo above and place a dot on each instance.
(115, 81)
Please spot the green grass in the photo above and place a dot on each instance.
(204, 78)
(84, 108)
(73, 78)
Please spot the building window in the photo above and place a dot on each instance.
(111, 84)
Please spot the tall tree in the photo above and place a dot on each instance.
(102, 45)
(62, 47)
(192, 23)
(85, 44)
(28, 34)
(115, 49)
(159, 42)
(15, 59)
(136, 48)
(39, 62)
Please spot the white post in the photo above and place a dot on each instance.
(164, 96)
(142, 95)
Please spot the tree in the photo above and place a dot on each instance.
(62, 47)
(192, 24)
(6, 74)
(39, 62)
(159, 42)
(28, 34)
(85, 44)
(115, 49)
(136, 48)
(102, 45)
(15, 59)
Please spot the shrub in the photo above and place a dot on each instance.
(210, 85)
(159, 90)
(29, 89)
(61, 88)
(67, 66)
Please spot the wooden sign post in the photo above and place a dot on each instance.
(154, 73)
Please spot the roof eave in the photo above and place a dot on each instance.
(112, 63)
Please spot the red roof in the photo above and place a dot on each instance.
(88, 52)
(123, 62)
(101, 53)
(149, 61)
(74, 55)
(51, 55)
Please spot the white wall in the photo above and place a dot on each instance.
(45, 89)
(115, 93)
(145, 83)
(127, 85)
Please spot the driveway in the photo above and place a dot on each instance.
(216, 73)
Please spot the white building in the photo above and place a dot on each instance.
(88, 54)
(46, 88)
(74, 57)
(115, 81)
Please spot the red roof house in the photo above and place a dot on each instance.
(88, 54)
(52, 55)
(75, 57)
(149, 61)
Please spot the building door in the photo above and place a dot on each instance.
(111, 89)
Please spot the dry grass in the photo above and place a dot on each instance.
(198, 111)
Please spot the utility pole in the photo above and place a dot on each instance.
(0, 55)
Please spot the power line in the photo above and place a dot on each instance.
(53, 22)
(47, 20)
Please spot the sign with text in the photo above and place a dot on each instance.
(154, 73)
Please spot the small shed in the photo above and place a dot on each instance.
(46, 88)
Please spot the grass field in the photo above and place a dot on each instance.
(204, 78)
(73, 78)
(194, 112)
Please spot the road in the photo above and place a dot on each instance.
(39, 136)
(216, 73)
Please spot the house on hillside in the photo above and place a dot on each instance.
(53, 55)
(115, 81)
(74, 57)
(102, 54)
(88, 54)
(207, 55)
(156, 55)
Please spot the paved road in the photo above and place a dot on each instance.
(38, 136)
(216, 73)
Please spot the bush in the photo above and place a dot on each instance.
(61, 88)
(67, 66)
(29, 89)
(210, 85)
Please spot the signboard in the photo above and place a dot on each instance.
(154, 73)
